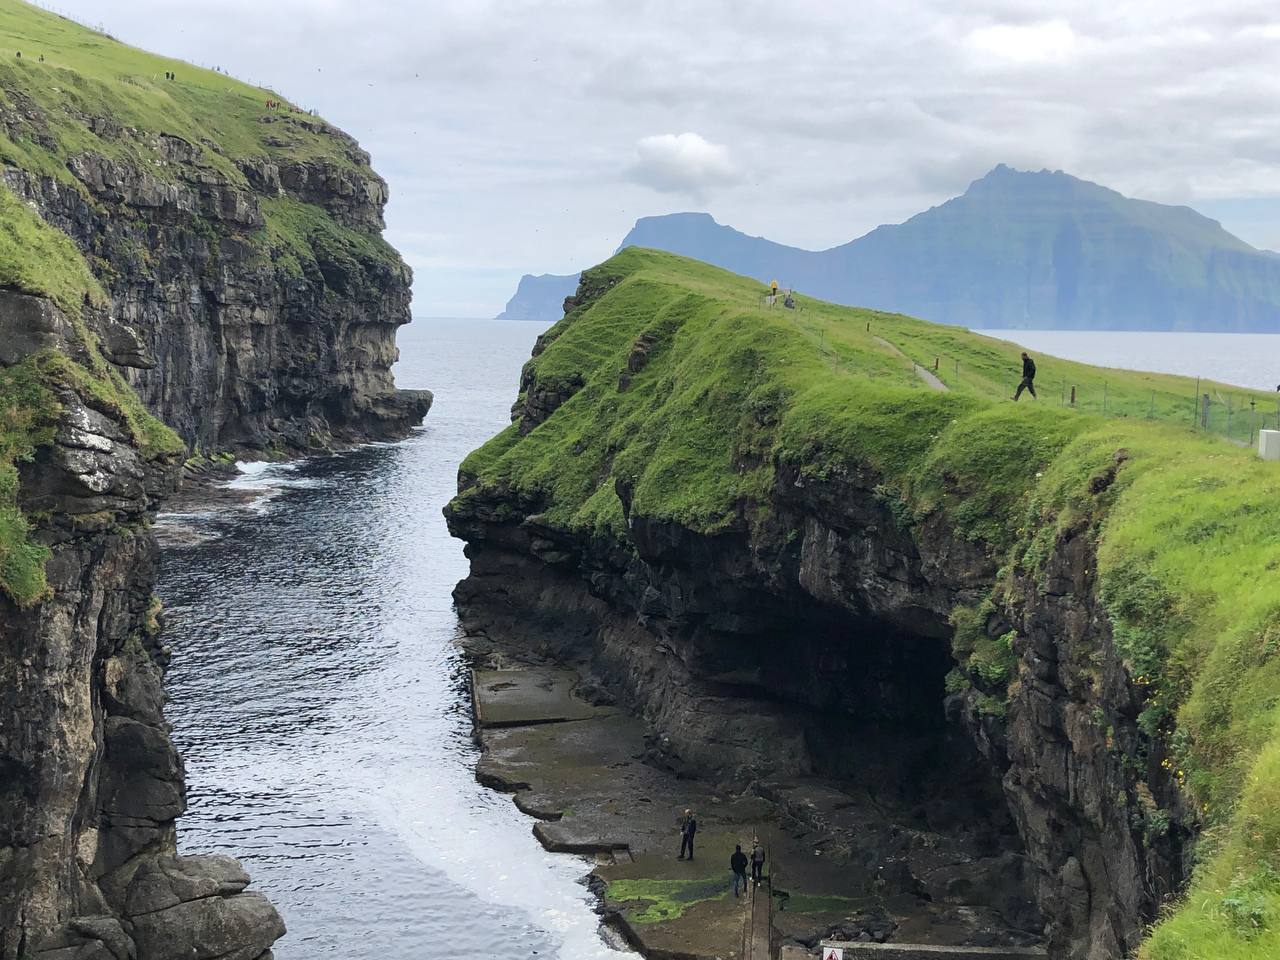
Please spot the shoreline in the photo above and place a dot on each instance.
(592, 778)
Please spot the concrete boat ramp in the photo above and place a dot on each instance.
(586, 771)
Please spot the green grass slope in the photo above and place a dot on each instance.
(86, 74)
(93, 94)
(67, 90)
(1190, 530)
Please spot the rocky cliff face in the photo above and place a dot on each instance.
(91, 782)
(252, 305)
(256, 310)
(751, 650)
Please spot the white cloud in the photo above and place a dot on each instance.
(1050, 42)
(682, 163)
(503, 126)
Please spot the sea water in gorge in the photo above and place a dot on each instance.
(319, 698)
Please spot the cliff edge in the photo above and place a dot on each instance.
(763, 532)
(188, 265)
(253, 301)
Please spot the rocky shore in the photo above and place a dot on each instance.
(847, 859)
(831, 676)
(169, 301)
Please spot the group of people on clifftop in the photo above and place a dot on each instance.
(738, 862)
(788, 297)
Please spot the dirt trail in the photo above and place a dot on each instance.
(928, 376)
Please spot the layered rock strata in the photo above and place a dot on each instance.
(782, 646)
(252, 305)
(254, 312)
(92, 784)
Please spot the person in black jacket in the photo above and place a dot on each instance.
(738, 864)
(1028, 376)
(688, 827)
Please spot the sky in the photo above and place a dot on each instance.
(526, 137)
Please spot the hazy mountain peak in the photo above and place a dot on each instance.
(1017, 249)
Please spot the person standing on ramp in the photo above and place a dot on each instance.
(738, 864)
(688, 827)
(1028, 377)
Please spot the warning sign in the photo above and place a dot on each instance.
(833, 953)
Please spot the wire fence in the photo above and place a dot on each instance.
(100, 27)
(68, 15)
(1236, 414)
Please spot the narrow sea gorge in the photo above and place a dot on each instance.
(903, 532)
(319, 697)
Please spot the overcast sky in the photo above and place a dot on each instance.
(526, 137)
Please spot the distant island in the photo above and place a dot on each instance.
(1016, 250)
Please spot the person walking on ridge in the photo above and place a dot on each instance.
(688, 827)
(757, 861)
(738, 864)
(1028, 377)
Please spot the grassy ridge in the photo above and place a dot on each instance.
(93, 94)
(66, 90)
(86, 74)
(1190, 536)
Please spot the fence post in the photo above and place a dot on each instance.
(1073, 394)
(1196, 403)
(1204, 411)
(1253, 419)
(1228, 416)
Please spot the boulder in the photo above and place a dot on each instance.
(195, 908)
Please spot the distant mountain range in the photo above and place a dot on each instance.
(1017, 249)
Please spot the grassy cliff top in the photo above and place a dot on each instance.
(67, 90)
(87, 76)
(1189, 531)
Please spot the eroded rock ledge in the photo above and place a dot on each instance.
(251, 303)
(750, 651)
(90, 782)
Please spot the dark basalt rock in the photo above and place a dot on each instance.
(90, 782)
(230, 347)
(237, 348)
(748, 652)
